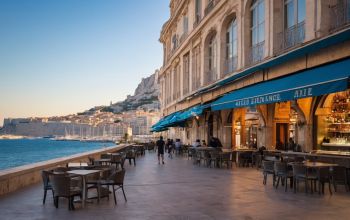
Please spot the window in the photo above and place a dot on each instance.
(196, 68)
(176, 82)
(258, 30)
(198, 11)
(231, 47)
(258, 22)
(212, 60)
(185, 24)
(174, 41)
(294, 22)
(186, 74)
(169, 87)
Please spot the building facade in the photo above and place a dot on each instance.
(261, 71)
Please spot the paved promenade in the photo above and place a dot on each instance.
(179, 190)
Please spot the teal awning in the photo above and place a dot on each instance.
(312, 82)
(178, 118)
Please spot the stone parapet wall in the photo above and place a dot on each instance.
(16, 178)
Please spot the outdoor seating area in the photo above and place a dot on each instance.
(313, 172)
(299, 170)
(87, 181)
(172, 191)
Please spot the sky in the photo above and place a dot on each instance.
(61, 57)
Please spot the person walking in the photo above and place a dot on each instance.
(160, 144)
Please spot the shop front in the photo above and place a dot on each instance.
(333, 122)
(305, 111)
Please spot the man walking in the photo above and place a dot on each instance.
(160, 144)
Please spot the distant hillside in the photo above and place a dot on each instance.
(145, 96)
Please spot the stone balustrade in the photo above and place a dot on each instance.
(18, 177)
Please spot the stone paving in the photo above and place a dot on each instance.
(180, 190)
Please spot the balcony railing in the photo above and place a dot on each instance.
(209, 7)
(340, 14)
(289, 38)
(230, 65)
(256, 53)
(294, 35)
(210, 76)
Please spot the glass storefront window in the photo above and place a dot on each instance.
(334, 122)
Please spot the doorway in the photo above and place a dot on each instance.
(281, 135)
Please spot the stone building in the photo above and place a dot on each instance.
(257, 72)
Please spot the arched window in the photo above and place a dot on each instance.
(258, 30)
(294, 22)
(231, 47)
(212, 60)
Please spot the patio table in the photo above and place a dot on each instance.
(78, 165)
(83, 174)
(104, 161)
(310, 164)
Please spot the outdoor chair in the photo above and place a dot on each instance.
(245, 158)
(61, 169)
(283, 174)
(46, 183)
(105, 156)
(324, 176)
(91, 161)
(268, 169)
(116, 179)
(93, 181)
(185, 150)
(197, 157)
(300, 173)
(339, 176)
(258, 160)
(225, 158)
(191, 153)
(62, 187)
(214, 158)
(205, 157)
(130, 155)
(118, 161)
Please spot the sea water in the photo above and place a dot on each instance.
(19, 152)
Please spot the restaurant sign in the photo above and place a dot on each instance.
(256, 96)
(276, 97)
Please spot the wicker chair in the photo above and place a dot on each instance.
(62, 187)
(324, 176)
(131, 155)
(115, 179)
(214, 158)
(225, 158)
(46, 183)
(118, 161)
(339, 176)
(282, 173)
(300, 173)
(268, 169)
(204, 156)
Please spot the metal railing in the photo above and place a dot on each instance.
(230, 65)
(289, 38)
(256, 53)
(340, 14)
(294, 35)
